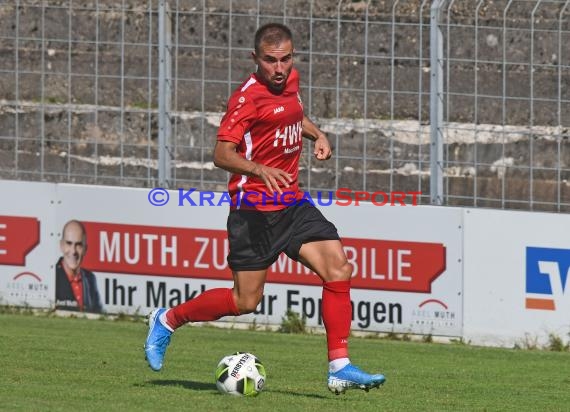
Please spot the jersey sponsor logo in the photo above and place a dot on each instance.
(289, 137)
(291, 150)
(547, 272)
(278, 110)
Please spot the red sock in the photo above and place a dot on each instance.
(207, 306)
(337, 316)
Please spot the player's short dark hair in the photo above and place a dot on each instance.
(272, 33)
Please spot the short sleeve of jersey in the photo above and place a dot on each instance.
(294, 80)
(239, 116)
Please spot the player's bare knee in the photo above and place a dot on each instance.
(248, 304)
(340, 272)
(346, 270)
(247, 308)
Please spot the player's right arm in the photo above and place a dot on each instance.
(240, 115)
(227, 158)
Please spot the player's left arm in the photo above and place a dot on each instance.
(323, 149)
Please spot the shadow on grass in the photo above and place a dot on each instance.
(202, 386)
(306, 395)
(197, 386)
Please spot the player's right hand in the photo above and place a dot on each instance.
(272, 177)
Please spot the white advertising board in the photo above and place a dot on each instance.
(492, 277)
(407, 260)
(27, 214)
(515, 277)
(434, 236)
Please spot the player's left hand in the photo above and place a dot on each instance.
(323, 149)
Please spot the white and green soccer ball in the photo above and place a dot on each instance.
(240, 374)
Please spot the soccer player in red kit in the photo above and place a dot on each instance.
(259, 142)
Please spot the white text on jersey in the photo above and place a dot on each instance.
(290, 135)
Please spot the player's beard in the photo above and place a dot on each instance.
(278, 86)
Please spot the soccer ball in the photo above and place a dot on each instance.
(240, 374)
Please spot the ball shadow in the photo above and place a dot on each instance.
(203, 386)
(196, 386)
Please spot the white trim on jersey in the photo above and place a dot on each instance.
(248, 150)
(249, 83)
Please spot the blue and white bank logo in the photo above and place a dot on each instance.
(547, 272)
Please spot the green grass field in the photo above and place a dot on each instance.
(71, 364)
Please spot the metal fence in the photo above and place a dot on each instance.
(466, 101)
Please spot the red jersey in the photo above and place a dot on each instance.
(267, 129)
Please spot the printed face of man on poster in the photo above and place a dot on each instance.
(73, 246)
(76, 287)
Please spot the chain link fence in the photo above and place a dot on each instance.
(465, 101)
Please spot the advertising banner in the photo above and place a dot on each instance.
(27, 215)
(516, 276)
(138, 255)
